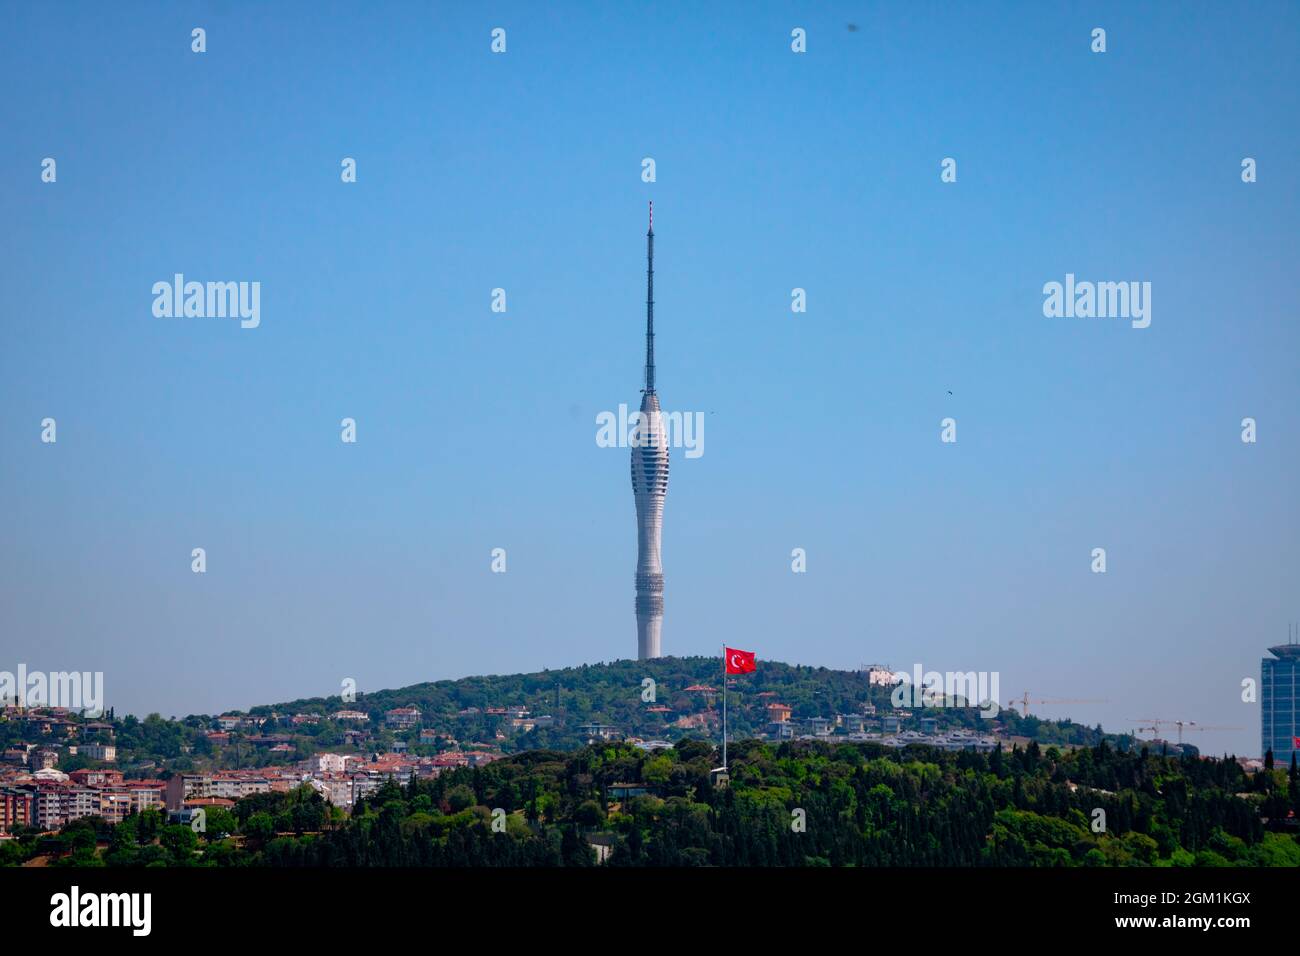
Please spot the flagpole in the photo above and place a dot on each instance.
(724, 707)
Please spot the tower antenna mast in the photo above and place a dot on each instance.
(650, 305)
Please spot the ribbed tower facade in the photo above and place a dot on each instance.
(649, 483)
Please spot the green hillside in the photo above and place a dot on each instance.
(548, 710)
(612, 694)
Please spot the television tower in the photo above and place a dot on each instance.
(649, 482)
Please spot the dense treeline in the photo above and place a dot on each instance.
(796, 804)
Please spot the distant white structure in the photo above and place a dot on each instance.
(330, 763)
(104, 752)
(879, 675)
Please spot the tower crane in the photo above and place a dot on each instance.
(1025, 700)
(1154, 724)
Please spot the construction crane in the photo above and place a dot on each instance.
(1025, 700)
(1154, 724)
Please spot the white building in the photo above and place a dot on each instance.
(878, 675)
(105, 752)
(336, 788)
(329, 763)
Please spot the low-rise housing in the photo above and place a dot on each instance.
(104, 752)
(402, 718)
(598, 731)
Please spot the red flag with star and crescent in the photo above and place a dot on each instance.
(740, 662)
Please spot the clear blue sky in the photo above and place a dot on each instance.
(476, 430)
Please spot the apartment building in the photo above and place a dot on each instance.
(17, 809)
(225, 786)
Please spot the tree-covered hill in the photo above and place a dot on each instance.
(616, 694)
(670, 699)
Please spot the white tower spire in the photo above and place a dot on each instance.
(649, 482)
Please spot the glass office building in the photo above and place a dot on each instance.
(1280, 703)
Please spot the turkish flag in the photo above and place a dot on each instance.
(1295, 741)
(740, 662)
